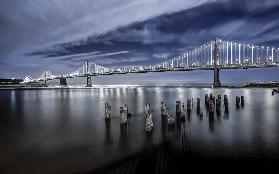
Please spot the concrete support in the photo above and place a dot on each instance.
(88, 81)
(63, 81)
(216, 82)
(88, 76)
(45, 80)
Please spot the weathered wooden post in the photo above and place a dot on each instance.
(146, 110)
(182, 116)
(198, 105)
(205, 98)
(163, 109)
(148, 118)
(192, 103)
(178, 108)
(123, 115)
(107, 110)
(210, 96)
(171, 121)
(226, 103)
(188, 106)
(242, 101)
(218, 105)
(219, 97)
(237, 101)
(211, 107)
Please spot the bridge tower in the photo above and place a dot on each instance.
(88, 76)
(45, 78)
(216, 82)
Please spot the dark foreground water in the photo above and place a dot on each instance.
(64, 131)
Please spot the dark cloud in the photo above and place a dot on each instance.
(170, 34)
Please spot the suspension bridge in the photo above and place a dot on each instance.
(214, 55)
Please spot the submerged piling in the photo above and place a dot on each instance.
(178, 108)
(183, 113)
(198, 105)
(107, 110)
(242, 101)
(163, 109)
(218, 105)
(211, 107)
(226, 103)
(237, 101)
(206, 100)
(188, 106)
(148, 118)
(123, 115)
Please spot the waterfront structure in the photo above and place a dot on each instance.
(214, 55)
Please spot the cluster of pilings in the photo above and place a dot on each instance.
(239, 101)
(182, 110)
(212, 104)
(275, 91)
(215, 104)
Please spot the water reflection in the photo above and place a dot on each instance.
(108, 139)
(39, 120)
(211, 123)
(124, 140)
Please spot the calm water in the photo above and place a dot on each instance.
(63, 130)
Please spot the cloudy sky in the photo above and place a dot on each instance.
(59, 35)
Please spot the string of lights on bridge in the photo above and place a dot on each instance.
(232, 55)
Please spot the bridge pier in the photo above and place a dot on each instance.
(88, 76)
(88, 81)
(63, 81)
(216, 82)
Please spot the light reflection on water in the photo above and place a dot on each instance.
(62, 121)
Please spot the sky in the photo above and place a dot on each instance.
(60, 35)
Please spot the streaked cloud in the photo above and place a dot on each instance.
(57, 33)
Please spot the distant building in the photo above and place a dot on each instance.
(10, 81)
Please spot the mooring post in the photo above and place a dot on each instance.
(178, 108)
(189, 108)
(242, 101)
(218, 105)
(198, 105)
(211, 107)
(237, 101)
(226, 102)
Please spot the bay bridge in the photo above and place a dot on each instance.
(214, 55)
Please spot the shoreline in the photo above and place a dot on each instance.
(132, 87)
(246, 85)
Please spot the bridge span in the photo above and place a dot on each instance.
(214, 55)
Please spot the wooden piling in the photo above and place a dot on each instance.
(242, 101)
(211, 107)
(178, 108)
(188, 106)
(237, 101)
(226, 103)
(107, 110)
(198, 104)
